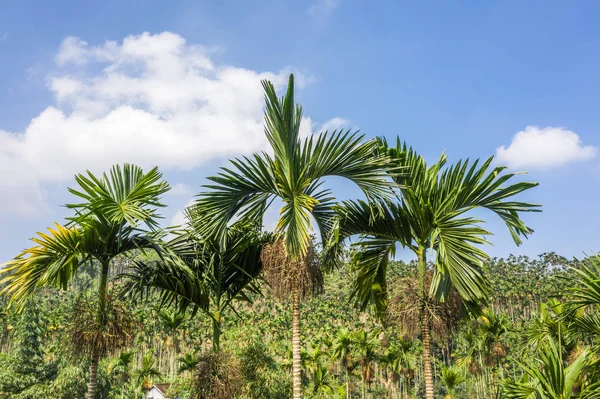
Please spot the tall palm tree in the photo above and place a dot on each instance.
(431, 215)
(366, 346)
(201, 275)
(293, 174)
(118, 215)
(172, 321)
(342, 351)
(400, 360)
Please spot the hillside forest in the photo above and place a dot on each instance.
(110, 303)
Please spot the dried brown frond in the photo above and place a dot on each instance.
(217, 376)
(286, 275)
(406, 303)
(91, 333)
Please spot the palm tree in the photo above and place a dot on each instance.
(320, 386)
(120, 366)
(172, 321)
(342, 352)
(201, 275)
(294, 175)
(452, 377)
(107, 224)
(366, 347)
(400, 360)
(431, 215)
(187, 362)
(147, 372)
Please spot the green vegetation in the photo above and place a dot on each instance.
(108, 304)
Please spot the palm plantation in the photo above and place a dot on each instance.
(293, 175)
(431, 216)
(117, 216)
(513, 328)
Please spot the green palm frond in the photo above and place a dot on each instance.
(587, 292)
(452, 377)
(549, 377)
(198, 272)
(431, 214)
(294, 175)
(105, 226)
(125, 194)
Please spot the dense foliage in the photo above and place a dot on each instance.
(344, 347)
(107, 304)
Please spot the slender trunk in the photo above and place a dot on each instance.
(363, 386)
(102, 296)
(347, 383)
(427, 355)
(91, 393)
(216, 327)
(422, 258)
(296, 362)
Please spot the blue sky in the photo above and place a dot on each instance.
(83, 86)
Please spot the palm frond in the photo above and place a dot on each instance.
(126, 194)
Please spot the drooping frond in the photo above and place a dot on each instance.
(462, 187)
(242, 191)
(587, 292)
(294, 175)
(429, 215)
(379, 233)
(199, 273)
(52, 261)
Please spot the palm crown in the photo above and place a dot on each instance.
(432, 214)
(293, 174)
(104, 226)
(200, 274)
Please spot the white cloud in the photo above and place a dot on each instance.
(181, 190)
(149, 100)
(336, 123)
(323, 8)
(544, 148)
(179, 218)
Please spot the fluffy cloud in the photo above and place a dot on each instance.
(336, 123)
(544, 148)
(149, 100)
(179, 218)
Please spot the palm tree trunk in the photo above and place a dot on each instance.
(426, 337)
(91, 393)
(347, 383)
(102, 296)
(216, 333)
(296, 361)
(427, 355)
